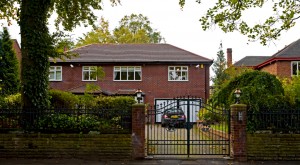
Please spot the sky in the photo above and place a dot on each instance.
(181, 27)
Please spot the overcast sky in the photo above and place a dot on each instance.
(182, 28)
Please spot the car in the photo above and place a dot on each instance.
(173, 116)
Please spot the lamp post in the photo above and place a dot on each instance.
(138, 95)
(237, 94)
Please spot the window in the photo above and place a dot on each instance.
(55, 73)
(89, 73)
(178, 73)
(295, 68)
(127, 73)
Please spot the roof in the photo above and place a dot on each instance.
(81, 89)
(292, 50)
(288, 53)
(146, 53)
(250, 61)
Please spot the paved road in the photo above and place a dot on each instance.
(140, 162)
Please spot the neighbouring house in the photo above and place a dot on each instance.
(17, 49)
(159, 70)
(284, 64)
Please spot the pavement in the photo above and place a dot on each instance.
(18, 161)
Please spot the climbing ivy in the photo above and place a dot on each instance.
(36, 42)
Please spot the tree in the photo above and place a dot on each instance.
(228, 16)
(132, 29)
(219, 67)
(37, 44)
(9, 71)
(100, 34)
(136, 29)
(260, 90)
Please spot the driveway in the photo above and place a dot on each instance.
(163, 142)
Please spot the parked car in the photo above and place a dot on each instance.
(173, 116)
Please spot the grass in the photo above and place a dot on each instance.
(223, 126)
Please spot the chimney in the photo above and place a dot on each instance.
(229, 57)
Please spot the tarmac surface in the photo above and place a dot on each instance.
(140, 162)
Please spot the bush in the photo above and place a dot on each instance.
(260, 90)
(61, 99)
(11, 101)
(66, 123)
(123, 103)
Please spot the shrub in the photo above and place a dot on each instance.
(255, 86)
(11, 101)
(123, 103)
(66, 123)
(61, 99)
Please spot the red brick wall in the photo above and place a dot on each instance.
(154, 82)
(279, 68)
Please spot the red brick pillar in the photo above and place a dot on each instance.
(238, 136)
(138, 131)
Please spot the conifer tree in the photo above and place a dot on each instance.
(9, 71)
(219, 67)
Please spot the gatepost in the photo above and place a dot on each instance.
(238, 136)
(138, 131)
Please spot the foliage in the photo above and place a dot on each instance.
(11, 101)
(105, 115)
(61, 99)
(64, 123)
(118, 102)
(136, 29)
(292, 90)
(254, 85)
(274, 120)
(219, 67)
(208, 115)
(228, 15)
(9, 70)
(100, 34)
(233, 72)
(37, 44)
(132, 29)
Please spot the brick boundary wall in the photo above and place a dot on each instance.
(238, 138)
(138, 131)
(273, 146)
(83, 146)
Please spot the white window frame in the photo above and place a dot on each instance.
(55, 70)
(176, 73)
(136, 70)
(298, 68)
(89, 70)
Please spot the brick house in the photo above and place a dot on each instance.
(159, 70)
(284, 64)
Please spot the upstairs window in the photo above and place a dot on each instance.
(89, 73)
(295, 68)
(178, 73)
(55, 73)
(127, 73)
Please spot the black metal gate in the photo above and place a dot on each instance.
(204, 132)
